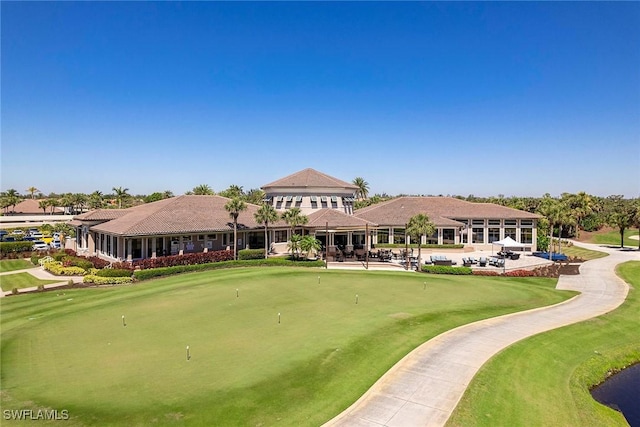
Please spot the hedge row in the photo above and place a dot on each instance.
(10, 247)
(415, 246)
(445, 269)
(98, 280)
(186, 259)
(169, 271)
(114, 272)
(245, 254)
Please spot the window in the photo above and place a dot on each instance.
(526, 222)
(509, 222)
(398, 235)
(314, 199)
(494, 235)
(478, 222)
(477, 235)
(298, 199)
(200, 237)
(448, 236)
(289, 198)
(323, 199)
(510, 232)
(186, 238)
(280, 236)
(334, 199)
(433, 239)
(494, 222)
(526, 235)
(383, 236)
(212, 236)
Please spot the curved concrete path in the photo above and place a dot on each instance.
(424, 387)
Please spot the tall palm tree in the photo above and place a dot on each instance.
(33, 191)
(620, 214)
(95, 200)
(255, 196)
(363, 188)
(582, 205)
(234, 191)
(418, 226)
(203, 190)
(43, 204)
(121, 194)
(266, 214)
(234, 207)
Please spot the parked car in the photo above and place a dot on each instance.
(55, 244)
(37, 235)
(29, 238)
(3, 233)
(40, 245)
(17, 232)
(32, 231)
(8, 239)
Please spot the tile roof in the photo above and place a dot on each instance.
(442, 211)
(336, 219)
(32, 206)
(177, 215)
(102, 214)
(309, 178)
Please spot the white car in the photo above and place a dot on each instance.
(36, 235)
(40, 245)
(55, 244)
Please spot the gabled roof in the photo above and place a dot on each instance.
(102, 214)
(310, 178)
(32, 206)
(442, 211)
(176, 215)
(336, 219)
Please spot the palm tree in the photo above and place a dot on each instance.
(95, 200)
(266, 214)
(363, 188)
(255, 196)
(234, 191)
(294, 218)
(620, 214)
(121, 193)
(234, 207)
(418, 226)
(203, 190)
(582, 205)
(309, 243)
(32, 191)
(43, 204)
(294, 245)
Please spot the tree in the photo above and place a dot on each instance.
(581, 206)
(418, 226)
(32, 191)
(10, 198)
(121, 194)
(363, 188)
(234, 191)
(265, 215)
(309, 243)
(234, 207)
(294, 245)
(550, 209)
(203, 190)
(255, 196)
(43, 204)
(620, 214)
(96, 200)
(294, 218)
(636, 218)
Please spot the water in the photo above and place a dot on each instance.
(622, 392)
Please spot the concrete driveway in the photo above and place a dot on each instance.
(424, 387)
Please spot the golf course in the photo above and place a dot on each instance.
(266, 346)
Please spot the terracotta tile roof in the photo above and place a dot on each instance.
(32, 206)
(101, 214)
(177, 215)
(336, 219)
(440, 210)
(309, 178)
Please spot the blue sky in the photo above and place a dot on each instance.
(419, 98)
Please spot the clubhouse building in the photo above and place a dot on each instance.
(188, 223)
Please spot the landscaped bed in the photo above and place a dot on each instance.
(268, 346)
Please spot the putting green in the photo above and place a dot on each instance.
(247, 365)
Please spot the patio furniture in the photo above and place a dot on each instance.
(482, 262)
(466, 262)
(515, 256)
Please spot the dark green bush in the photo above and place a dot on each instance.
(20, 246)
(113, 272)
(245, 254)
(169, 271)
(445, 269)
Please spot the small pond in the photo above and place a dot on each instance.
(621, 391)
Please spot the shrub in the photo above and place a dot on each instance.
(98, 263)
(251, 254)
(168, 271)
(40, 288)
(187, 259)
(14, 291)
(100, 280)
(485, 273)
(113, 272)
(58, 269)
(10, 247)
(445, 269)
(519, 273)
(72, 261)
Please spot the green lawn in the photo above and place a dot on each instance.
(544, 380)
(14, 264)
(71, 351)
(22, 280)
(585, 254)
(613, 238)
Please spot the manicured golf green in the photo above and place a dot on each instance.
(14, 264)
(22, 280)
(613, 238)
(248, 365)
(545, 380)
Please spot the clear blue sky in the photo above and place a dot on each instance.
(421, 98)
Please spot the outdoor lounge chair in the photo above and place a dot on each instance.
(466, 262)
(482, 262)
